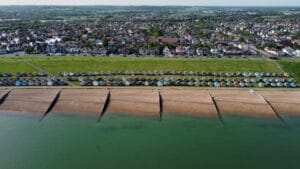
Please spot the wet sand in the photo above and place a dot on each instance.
(152, 101)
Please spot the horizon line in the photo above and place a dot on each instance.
(292, 6)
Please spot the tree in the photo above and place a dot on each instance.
(156, 31)
(105, 41)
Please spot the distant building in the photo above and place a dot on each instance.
(297, 53)
(201, 52)
(143, 51)
(167, 52)
(180, 50)
(243, 46)
(3, 51)
(272, 51)
(13, 48)
(214, 51)
(230, 50)
(288, 51)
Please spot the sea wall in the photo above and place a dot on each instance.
(151, 101)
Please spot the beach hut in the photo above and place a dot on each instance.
(286, 84)
(279, 84)
(210, 84)
(160, 84)
(217, 84)
(95, 83)
(18, 83)
(191, 83)
(50, 82)
(273, 84)
(261, 84)
(242, 84)
(293, 85)
(102, 83)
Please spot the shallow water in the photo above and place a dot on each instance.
(62, 141)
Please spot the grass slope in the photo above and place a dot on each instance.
(13, 66)
(291, 66)
(80, 64)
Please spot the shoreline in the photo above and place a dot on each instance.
(97, 102)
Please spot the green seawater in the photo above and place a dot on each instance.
(62, 141)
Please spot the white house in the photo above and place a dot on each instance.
(201, 52)
(297, 53)
(167, 51)
(243, 46)
(271, 51)
(180, 50)
(214, 51)
(288, 51)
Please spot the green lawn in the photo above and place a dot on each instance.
(12, 66)
(291, 66)
(79, 64)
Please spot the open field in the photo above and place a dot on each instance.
(80, 64)
(84, 64)
(12, 66)
(291, 66)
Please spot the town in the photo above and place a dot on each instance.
(151, 31)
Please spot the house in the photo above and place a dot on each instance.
(251, 52)
(51, 48)
(99, 51)
(112, 50)
(53, 40)
(40, 47)
(167, 52)
(3, 51)
(231, 50)
(190, 51)
(143, 51)
(288, 51)
(154, 52)
(243, 46)
(73, 49)
(98, 42)
(201, 52)
(297, 53)
(180, 50)
(13, 48)
(85, 50)
(272, 51)
(124, 51)
(214, 51)
(169, 40)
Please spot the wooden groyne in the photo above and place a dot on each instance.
(136, 102)
(191, 102)
(284, 102)
(242, 102)
(151, 101)
(86, 101)
(29, 101)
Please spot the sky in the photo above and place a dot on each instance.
(156, 2)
